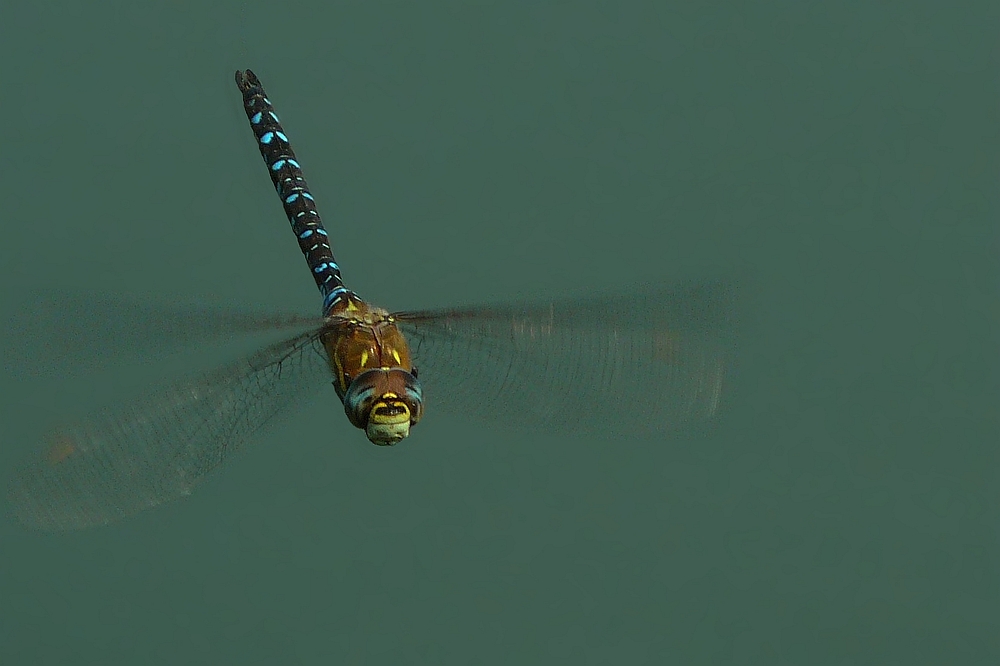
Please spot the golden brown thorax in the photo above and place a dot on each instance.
(369, 340)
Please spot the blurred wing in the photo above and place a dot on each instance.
(625, 364)
(87, 329)
(158, 448)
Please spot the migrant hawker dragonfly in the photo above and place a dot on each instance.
(622, 364)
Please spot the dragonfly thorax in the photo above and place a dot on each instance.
(372, 371)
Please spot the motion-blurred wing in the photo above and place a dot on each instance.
(624, 364)
(65, 329)
(159, 447)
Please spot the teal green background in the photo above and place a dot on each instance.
(841, 158)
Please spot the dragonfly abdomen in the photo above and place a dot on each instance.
(286, 174)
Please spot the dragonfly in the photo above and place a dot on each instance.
(623, 364)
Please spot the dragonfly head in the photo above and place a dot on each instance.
(385, 402)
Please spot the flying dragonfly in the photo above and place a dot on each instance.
(623, 364)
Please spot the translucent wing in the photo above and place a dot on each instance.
(158, 448)
(66, 328)
(625, 364)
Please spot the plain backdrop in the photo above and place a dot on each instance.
(841, 158)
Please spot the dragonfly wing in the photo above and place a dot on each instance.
(86, 329)
(158, 448)
(624, 364)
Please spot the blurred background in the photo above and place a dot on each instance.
(839, 161)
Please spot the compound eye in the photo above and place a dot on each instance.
(384, 402)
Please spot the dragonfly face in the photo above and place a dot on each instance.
(385, 402)
(372, 371)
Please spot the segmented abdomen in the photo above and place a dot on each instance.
(286, 174)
